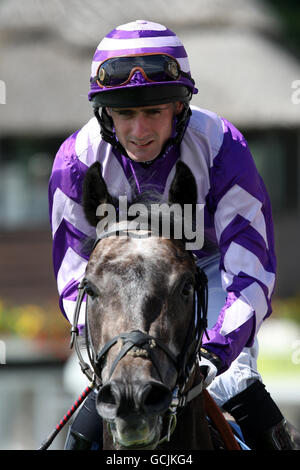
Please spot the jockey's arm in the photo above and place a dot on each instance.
(244, 229)
(70, 230)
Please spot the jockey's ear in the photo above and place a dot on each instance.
(183, 189)
(178, 107)
(94, 193)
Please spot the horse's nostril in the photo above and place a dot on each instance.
(115, 399)
(155, 398)
(107, 395)
(108, 402)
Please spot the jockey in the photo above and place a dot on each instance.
(140, 91)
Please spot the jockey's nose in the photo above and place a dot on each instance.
(117, 399)
(140, 127)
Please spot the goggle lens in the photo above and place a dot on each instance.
(119, 70)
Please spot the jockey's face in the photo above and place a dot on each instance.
(144, 130)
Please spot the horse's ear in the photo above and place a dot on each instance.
(94, 193)
(183, 189)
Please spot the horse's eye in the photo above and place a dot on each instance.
(187, 289)
(90, 291)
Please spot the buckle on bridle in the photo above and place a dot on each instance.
(171, 427)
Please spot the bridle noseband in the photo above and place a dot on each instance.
(139, 343)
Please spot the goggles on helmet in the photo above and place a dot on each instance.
(118, 71)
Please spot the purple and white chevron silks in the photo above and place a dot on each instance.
(237, 217)
(139, 37)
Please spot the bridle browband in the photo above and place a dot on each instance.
(139, 343)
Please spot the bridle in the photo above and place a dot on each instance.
(140, 343)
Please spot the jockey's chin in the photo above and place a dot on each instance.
(143, 152)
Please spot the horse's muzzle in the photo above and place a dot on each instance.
(134, 412)
(119, 399)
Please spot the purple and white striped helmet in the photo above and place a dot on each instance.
(140, 38)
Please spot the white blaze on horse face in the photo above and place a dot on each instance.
(145, 246)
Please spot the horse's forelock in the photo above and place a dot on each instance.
(149, 198)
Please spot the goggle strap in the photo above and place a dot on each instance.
(184, 74)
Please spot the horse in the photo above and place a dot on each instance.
(146, 304)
